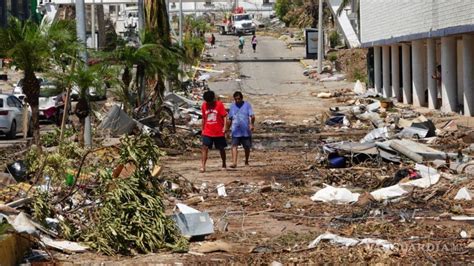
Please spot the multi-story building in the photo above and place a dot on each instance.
(17, 8)
(423, 51)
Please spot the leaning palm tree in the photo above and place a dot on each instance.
(30, 47)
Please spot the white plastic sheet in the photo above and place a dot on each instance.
(429, 177)
(335, 195)
(349, 242)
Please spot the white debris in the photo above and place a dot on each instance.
(335, 195)
(349, 242)
(63, 245)
(429, 177)
(464, 194)
(221, 190)
(359, 88)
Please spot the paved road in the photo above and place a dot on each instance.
(272, 78)
(268, 71)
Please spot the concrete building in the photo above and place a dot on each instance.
(423, 51)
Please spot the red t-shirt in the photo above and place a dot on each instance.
(213, 119)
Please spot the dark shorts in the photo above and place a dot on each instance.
(246, 142)
(218, 142)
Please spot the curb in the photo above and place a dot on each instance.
(303, 63)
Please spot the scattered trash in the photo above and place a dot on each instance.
(359, 88)
(18, 170)
(335, 195)
(464, 194)
(208, 247)
(118, 122)
(192, 222)
(63, 245)
(350, 242)
(221, 190)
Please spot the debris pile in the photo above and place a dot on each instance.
(111, 199)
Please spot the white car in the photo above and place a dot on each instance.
(11, 115)
(18, 88)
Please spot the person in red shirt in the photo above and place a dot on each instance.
(214, 127)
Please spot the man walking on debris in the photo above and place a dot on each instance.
(242, 120)
(214, 126)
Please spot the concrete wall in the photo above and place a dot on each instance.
(389, 21)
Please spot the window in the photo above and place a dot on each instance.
(17, 102)
(14, 102)
(1, 103)
(10, 102)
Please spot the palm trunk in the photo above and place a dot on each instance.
(31, 90)
(157, 20)
(101, 26)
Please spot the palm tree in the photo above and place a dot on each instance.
(30, 46)
(87, 77)
(151, 59)
(157, 24)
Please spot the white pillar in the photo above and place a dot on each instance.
(406, 72)
(93, 26)
(459, 71)
(468, 52)
(387, 87)
(418, 61)
(396, 72)
(378, 69)
(431, 71)
(448, 75)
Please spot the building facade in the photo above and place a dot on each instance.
(17, 8)
(423, 51)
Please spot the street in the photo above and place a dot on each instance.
(268, 207)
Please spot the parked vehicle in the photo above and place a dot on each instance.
(237, 23)
(94, 94)
(18, 89)
(11, 115)
(51, 104)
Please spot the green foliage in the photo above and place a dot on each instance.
(282, 7)
(334, 39)
(51, 139)
(42, 208)
(359, 75)
(193, 47)
(132, 215)
(332, 57)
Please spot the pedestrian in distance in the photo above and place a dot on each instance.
(242, 121)
(214, 127)
(241, 43)
(254, 43)
(213, 41)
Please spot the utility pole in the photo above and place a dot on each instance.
(93, 39)
(141, 15)
(320, 37)
(181, 23)
(81, 34)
